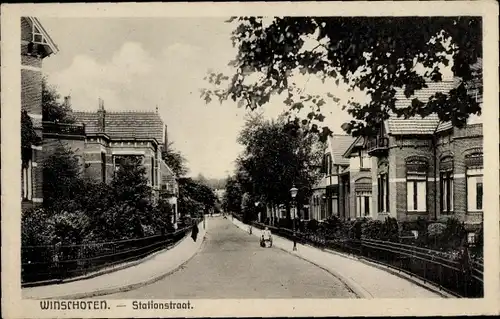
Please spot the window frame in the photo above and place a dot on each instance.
(414, 179)
(27, 181)
(474, 173)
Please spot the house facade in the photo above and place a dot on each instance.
(360, 179)
(102, 140)
(422, 167)
(36, 45)
(330, 195)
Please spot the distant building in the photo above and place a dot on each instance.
(36, 45)
(330, 195)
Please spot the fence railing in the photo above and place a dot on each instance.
(53, 263)
(63, 128)
(459, 277)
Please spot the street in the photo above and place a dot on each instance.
(231, 264)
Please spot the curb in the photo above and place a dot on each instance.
(109, 291)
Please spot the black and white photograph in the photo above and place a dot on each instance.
(244, 162)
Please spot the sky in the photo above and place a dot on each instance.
(144, 63)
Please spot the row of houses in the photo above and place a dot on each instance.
(101, 139)
(416, 167)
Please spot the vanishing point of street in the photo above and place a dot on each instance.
(231, 264)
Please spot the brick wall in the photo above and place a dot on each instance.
(455, 143)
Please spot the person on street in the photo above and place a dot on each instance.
(195, 230)
(266, 237)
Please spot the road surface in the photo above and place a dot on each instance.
(231, 264)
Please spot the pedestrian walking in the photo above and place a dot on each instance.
(194, 230)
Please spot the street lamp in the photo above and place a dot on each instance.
(257, 211)
(293, 192)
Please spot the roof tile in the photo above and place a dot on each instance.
(338, 145)
(133, 125)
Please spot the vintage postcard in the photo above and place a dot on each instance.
(250, 159)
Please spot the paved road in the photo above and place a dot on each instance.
(231, 264)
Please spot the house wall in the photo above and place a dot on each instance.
(455, 143)
(31, 101)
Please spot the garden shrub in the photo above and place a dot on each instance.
(312, 225)
(371, 229)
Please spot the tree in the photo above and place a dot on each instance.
(175, 160)
(132, 192)
(52, 109)
(195, 197)
(62, 178)
(233, 194)
(28, 136)
(277, 156)
(376, 55)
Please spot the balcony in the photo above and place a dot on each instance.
(377, 146)
(63, 129)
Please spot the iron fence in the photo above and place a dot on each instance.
(462, 277)
(53, 263)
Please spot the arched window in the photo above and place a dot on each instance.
(474, 172)
(446, 185)
(416, 185)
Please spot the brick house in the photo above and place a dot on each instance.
(330, 195)
(422, 167)
(102, 140)
(36, 45)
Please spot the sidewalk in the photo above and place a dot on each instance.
(151, 269)
(366, 279)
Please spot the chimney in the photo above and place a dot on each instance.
(101, 114)
(67, 101)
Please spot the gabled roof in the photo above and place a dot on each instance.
(48, 40)
(124, 125)
(358, 142)
(418, 125)
(337, 145)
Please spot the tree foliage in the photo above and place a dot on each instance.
(376, 55)
(195, 197)
(52, 109)
(175, 160)
(232, 196)
(29, 137)
(277, 156)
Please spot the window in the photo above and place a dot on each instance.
(416, 193)
(27, 181)
(446, 184)
(363, 204)
(471, 238)
(103, 167)
(383, 192)
(475, 190)
(152, 171)
(335, 206)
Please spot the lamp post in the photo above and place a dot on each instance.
(293, 192)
